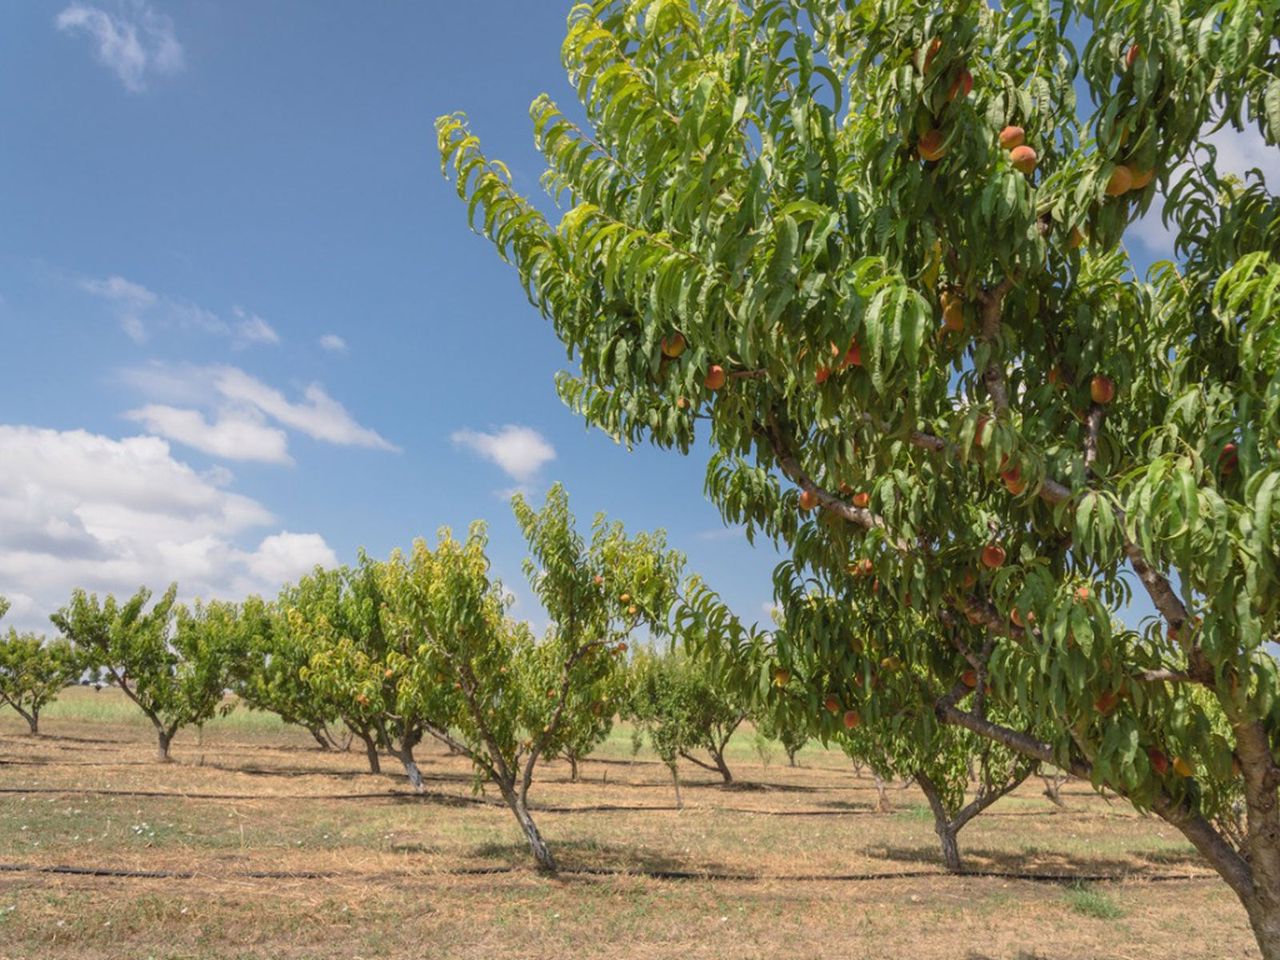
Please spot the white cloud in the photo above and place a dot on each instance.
(250, 328)
(333, 343)
(234, 435)
(519, 451)
(140, 310)
(82, 510)
(284, 556)
(319, 416)
(134, 41)
(240, 400)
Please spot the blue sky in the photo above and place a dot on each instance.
(246, 329)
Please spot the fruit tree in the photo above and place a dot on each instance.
(923, 355)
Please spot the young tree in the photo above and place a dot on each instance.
(880, 245)
(33, 672)
(269, 678)
(513, 699)
(352, 660)
(684, 708)
(172, 661)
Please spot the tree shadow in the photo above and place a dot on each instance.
(1051, 864)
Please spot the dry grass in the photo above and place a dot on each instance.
(393, 875)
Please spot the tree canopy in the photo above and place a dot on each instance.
(874, 253)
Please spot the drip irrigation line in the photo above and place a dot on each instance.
(647, 873)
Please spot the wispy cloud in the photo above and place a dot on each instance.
(134, 41)
(519, 451)
(333, 343)
(234, 435)
(140, 311)
(242, 405)
(318, 415)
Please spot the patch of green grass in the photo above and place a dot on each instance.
(915, 811)
(1090, 902)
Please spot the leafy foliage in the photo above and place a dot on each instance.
(992, 420)
(174, 662)
(33, 671)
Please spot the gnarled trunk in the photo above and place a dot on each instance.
(537, 846)
(573, 768)
(164, 739)
(320, 739)
(370, 750)
(721, 766)
(943, 826)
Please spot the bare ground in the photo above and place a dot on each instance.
(274, 849)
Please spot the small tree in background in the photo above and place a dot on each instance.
(513, 698)
(174, 662)
(316, 613)
(357, 661)
(33, 671)
(684, 708)
(269, 678)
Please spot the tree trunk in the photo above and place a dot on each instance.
(33, 721)
(320, 738)
(882, 796)
(675, 780)
(370, 751)
(718, 757)
(1264, 917)
(537, 846)
(1053, 790)
(162, 747)
(942, 824)
(573, 769)
(791, 757)
(405, 755)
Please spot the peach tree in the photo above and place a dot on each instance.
(269, 677)
(873, 253)
(33, 671)
(512, 700)
(174, 662)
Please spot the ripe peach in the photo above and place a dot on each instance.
(935, 45)
(1121, 181)
(1159, 762)
(930, 145)
(993, 556)
(1102, 390)
(1131, 56)
(853, 358)
(852, 719)
(715, 377)
(832, 703)
(1011, 137)
(861, 500)
(1140, 178)
(1106, 702)
(673, 345)
(962, 85)
(952, 311)
(822, 375)
(1024, 159)
(808, 500)
(1228, 460)
(970, 678)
